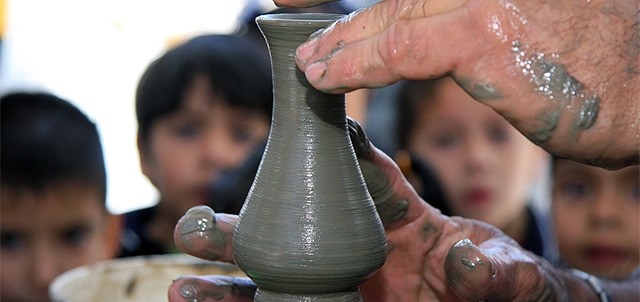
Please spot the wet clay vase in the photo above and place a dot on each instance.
(308, 230)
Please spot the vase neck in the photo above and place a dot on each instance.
(293, 95)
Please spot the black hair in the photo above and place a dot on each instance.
(46, 141)
(411, 94)
(237, 69)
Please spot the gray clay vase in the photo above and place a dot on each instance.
(308, 230)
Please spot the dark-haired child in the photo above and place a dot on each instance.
(53, 214)
(202, 108)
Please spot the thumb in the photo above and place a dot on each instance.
(470, 272)
(396, 201)
(501, 271)
(205, 234)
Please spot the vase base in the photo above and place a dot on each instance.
(273, 296)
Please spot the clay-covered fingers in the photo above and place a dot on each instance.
(397, 203)
(498, 270)
(205, 234)
(212, 288)
(407, 49)
(381, 44)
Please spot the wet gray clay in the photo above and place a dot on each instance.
(308, 230)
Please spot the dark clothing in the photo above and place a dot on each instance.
(228, 193)
(539, 237)
(135, 241)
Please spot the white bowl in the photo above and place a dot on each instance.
(132, 279)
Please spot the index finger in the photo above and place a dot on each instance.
(368, 22)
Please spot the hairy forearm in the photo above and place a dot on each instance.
(600, 76)
(575, 88)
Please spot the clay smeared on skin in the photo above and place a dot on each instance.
(196, 290)
(479, 91)
(389, 207)
(427, 230)
(553, 81)
(191, 291)
(472, 263)
(392, 210)
(464, 264)
(547, 122)
(199, 226)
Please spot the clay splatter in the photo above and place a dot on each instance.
(428, 229)
(553, 81)
(479, 91)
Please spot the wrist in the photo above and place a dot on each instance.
(595, 285)
(568, 285)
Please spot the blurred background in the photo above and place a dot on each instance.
(93, 53)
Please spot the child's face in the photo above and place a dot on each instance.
(46, 234)
(596, 214)
(485, 166)
(190, 148)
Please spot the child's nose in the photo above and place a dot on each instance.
(477, 154)
(218, 151)
(45, 267)
(604, 211)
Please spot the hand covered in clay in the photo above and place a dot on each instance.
(566, 73)
(431, 257)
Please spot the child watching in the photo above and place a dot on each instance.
(53, 214)
(202, 108)
(485, 167)
(596, 213)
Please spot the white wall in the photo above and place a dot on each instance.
(92, 52)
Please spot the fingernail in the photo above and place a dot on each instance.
(191, 292)
(306, 50)
(196, 222)
(188, 290)
(316, 71)
(200, 208)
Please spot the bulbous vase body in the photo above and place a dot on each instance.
(308, 230)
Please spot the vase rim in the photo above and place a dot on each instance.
(300, 19)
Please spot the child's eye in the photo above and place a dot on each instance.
(499, 134)
(75, 236)
(575, 190)
(242, 135)
(446, 141)
(10, 241)
(187, 131)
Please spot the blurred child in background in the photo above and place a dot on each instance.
(53, 214)
(202, 108)
(596, 213)
(485, 166)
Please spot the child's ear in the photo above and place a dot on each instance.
(113, 234)
(144, 155)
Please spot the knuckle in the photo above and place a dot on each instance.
(395, 46)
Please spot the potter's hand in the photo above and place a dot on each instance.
(565, 74)
(208, 235)
(431, 257)
(438, 258)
